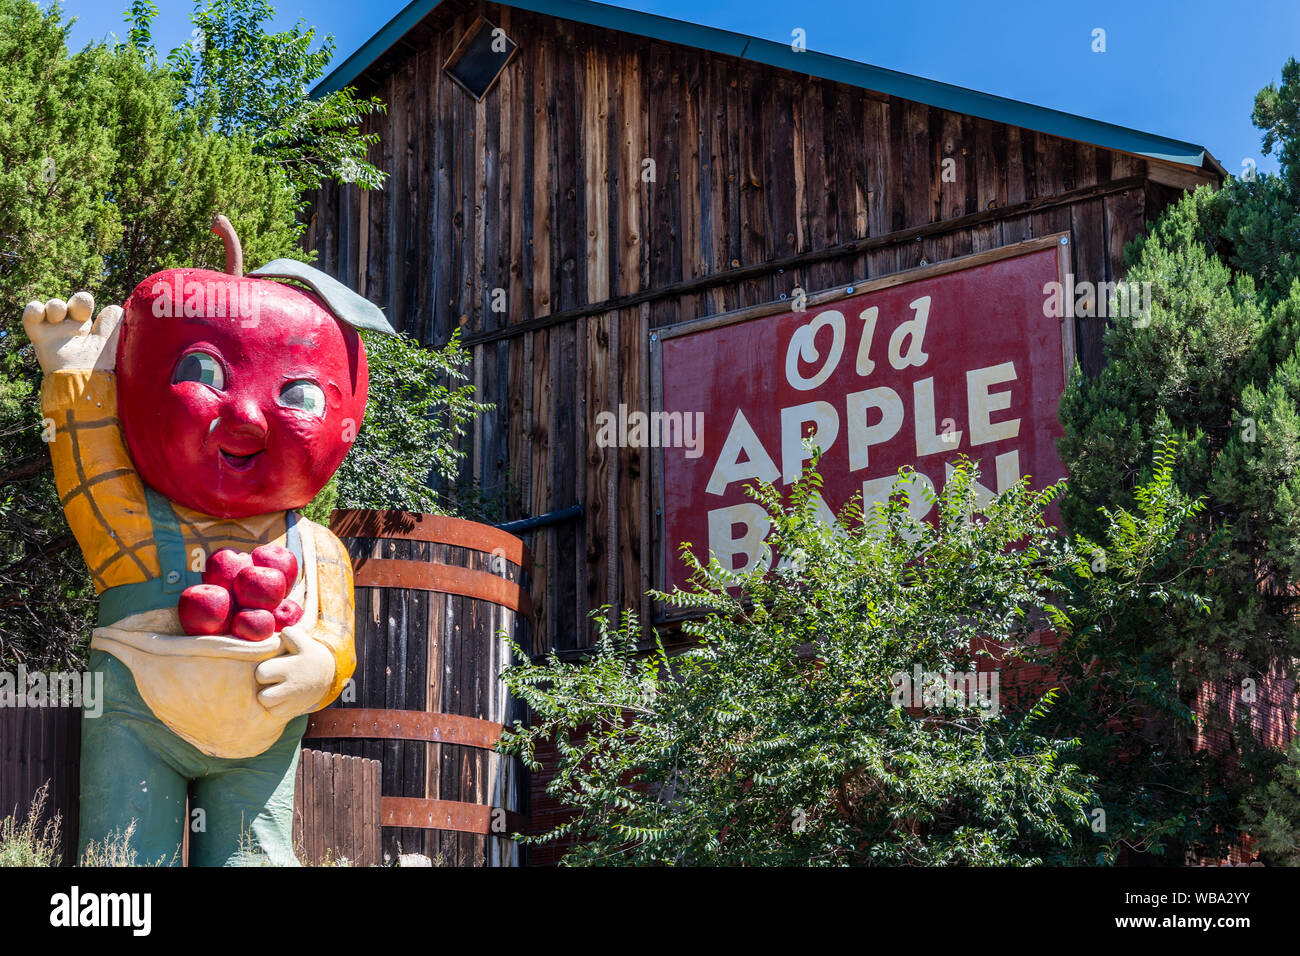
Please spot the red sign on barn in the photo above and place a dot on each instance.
(916, 368)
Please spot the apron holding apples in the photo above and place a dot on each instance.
(225, 618)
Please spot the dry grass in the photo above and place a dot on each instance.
(30, 843)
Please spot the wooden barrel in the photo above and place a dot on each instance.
(433, 595)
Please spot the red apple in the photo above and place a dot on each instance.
(224, 565)
(205, 609)
(282, 559)
(238, 395)
(287, 612)
(253, 624)
(262, 588)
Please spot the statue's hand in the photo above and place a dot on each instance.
(65, 338)
(294, 683)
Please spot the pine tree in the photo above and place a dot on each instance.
(102, 182)
(1216, 366)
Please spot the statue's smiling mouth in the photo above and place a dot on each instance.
(240, 462)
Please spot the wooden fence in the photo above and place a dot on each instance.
(38, 745)
(336, 809)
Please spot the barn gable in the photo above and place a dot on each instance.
(627, 172)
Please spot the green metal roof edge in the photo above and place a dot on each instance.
(838, 69)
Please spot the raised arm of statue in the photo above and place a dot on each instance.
(101, 493)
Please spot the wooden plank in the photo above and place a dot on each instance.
(376, 267)
(420, 296)
(540, 499)
(731, 169)
(1012, 218)
(989, 181)
(634, 193)
(821, 297)
(595, 184)
(877, 161)
(950, 180)
(1091, 264)
(596, 370)
(918, 175)
(814, 171)
(439, 206)
(510, 211)
(778, 124)
(753, 187)
(667, 252)
(713, 177)
(690, 214)
(406, 252)
(1179, 176)
(632, 515)
(1125, 218)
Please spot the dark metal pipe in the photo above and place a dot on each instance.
(571, 513)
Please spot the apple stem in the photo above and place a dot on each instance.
(234, 251)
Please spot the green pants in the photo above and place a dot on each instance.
(134, 769)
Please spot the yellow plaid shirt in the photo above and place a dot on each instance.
(104, 501)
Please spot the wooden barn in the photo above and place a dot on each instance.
(566, 178)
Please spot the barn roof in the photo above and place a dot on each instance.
(903, 85)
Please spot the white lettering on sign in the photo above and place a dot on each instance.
(913, 330)
(748, 544)
(802, 346)
(861, 435)
(826, 425)
(868, 316)
(929, 440)
(854, 392)
(758, 464)
(981, 403)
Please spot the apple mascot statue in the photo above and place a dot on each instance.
(186, 427)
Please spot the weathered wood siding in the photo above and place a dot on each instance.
(764, 181)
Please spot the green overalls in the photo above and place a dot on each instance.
(134, 768)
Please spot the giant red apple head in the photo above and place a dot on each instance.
(237, 395)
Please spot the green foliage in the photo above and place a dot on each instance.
(1122, 698)
(775, 738)
(243, 79)
(320, 508)
(1272, 815)
(418, 410)
(1217, 369)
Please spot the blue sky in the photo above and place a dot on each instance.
(1188, 69)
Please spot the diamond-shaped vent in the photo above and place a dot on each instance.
(480, 57)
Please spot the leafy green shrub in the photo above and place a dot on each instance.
(418, 410)
(775, 739)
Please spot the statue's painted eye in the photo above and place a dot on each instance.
(304, 396)
(200, 367)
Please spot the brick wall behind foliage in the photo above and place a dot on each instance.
(544, 811)
(1271, 716)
